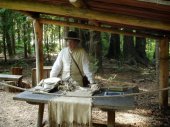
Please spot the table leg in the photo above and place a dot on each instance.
(40, 115)
(111, 118)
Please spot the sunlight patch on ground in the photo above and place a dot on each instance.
(125, 118)
(129, 118)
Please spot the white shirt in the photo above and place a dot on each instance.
(66, 65)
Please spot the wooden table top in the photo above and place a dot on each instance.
(10, 77)
(116, 103)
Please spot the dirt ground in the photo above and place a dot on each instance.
(146, 114)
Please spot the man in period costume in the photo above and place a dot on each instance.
(67, 65)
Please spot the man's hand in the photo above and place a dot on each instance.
(94, 87)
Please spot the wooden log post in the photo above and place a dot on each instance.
(163, 72)
(40, 115)
(39, 50)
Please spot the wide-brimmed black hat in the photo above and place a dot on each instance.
(72, 35)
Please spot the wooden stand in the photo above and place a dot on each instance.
(16, 70)
(46, 74)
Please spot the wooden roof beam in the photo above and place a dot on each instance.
(163, 2)
(96, 28)
(78, 3)
(84, 13)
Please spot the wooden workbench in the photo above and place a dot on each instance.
(108, 104)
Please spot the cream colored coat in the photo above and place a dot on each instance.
(67, 67)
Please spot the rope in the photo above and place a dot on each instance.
(54, 94)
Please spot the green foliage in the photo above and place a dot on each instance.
(21, 63)
(93, 63)
(53, 34)
(105, 42)
(150, 48)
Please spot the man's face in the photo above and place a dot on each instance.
(72, 44)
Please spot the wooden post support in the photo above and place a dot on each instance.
(111, 118)
(39, 49)
(40, 115)
(33, 75)
(163, 72)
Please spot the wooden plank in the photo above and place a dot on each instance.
(136, 4)
(10, 77)
(84, 13)
(163, 72)
(138, 12)
(163, 2)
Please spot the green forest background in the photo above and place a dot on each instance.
(17, 42)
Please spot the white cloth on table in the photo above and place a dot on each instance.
(45, 85)
(71, 111)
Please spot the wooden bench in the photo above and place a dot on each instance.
(12, 80)
(46, 74)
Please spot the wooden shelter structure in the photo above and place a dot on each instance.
(149, 18)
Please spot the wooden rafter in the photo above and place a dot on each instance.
(128, 10)
(136, 3)
(96, 28)
(83, 13)
(163, 2)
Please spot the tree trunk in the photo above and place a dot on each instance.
(13, 37)
(140, 51)
(95, 46)
(66, 29)
(8, 41)
(8, 31)
(84, 37)
(114, 48)
(18, 33)
(4, 44)
(59, 37)
(25, 41)
(128, 47)
(29, 38)
(129, 50)
(98, 51)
